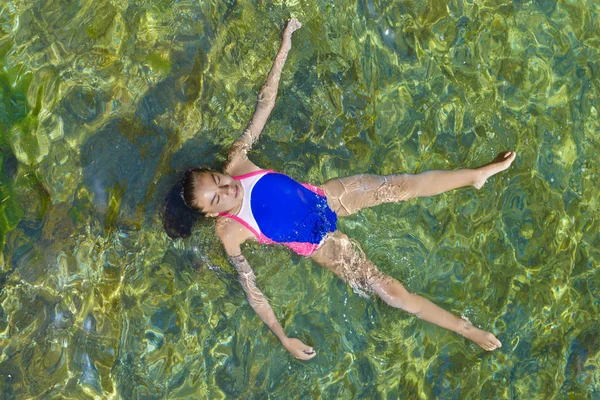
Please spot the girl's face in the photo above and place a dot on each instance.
(216, 193)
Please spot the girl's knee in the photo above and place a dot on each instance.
(400, 187)
(394, 294)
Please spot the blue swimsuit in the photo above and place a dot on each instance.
(277, 209)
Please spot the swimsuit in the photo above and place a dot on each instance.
(277, 209)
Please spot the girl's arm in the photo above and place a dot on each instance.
(266, 101)
(261, 306)
(232, 237)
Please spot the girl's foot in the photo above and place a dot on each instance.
(499, 164)
(486, 340)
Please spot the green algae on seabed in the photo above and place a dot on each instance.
(103, 103)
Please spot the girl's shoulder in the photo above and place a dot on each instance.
(231, 232)
(240, 167)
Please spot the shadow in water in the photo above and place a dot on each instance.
(129, 158)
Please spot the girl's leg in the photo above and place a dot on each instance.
(350, 194)
(345, 258)
(392, 292)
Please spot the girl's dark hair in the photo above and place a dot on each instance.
(187, 182)
(179, 215)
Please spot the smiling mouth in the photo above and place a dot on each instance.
(237, 191)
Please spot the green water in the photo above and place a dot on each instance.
(102, 103)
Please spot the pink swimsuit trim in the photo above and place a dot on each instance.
(314, 189)
(251, 174)
(304, 249)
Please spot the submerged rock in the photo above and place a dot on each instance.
(63, 319)
(84, 103)
(90, 376)
(89, 324)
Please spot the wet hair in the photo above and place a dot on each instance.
(188, 179)
(179, 213)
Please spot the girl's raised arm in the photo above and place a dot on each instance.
(266, 102)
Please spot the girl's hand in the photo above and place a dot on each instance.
(292, 26)
(298, 349)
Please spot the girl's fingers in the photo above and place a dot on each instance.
(307, 353)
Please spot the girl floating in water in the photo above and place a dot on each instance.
(251, 203)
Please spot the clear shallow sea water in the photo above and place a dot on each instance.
(102, 103)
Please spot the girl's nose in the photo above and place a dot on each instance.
(227, 189)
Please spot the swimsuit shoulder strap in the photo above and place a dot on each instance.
(245, 216)
(251, 174)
